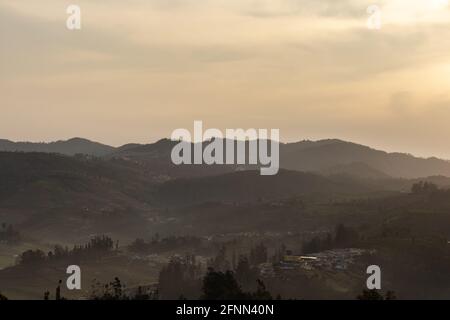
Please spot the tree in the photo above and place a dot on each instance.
(58, 291)
(142, 295)
(390, 295)
(258, 254)
(318, 244)
(139, 245)
(370, 295)
(115, 290)
(279, 254)
(9, 234)
(181, 276)
(31, 257)
(221, 286)
(2, 297)
(261, 292)
(345, 236)
(244, 273)
(224, 286)
(220, 262)
(108, 291)
(375, 295)
(424, 188)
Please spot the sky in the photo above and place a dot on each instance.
(139, 69)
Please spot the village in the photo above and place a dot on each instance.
(330, 260)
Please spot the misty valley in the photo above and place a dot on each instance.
(141, 228)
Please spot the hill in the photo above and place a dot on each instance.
(68, 147)
(327, 154)
(51, 196)
(57, 197)
(329, 157)
(250, 186)
(323, 156)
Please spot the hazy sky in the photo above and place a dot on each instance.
(138, 69)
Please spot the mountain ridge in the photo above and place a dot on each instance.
(70, 147)
(328, 155)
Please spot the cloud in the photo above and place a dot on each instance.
(308, 67)
(324, 8)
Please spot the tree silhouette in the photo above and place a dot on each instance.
(424, 188)
(258, 254)
(58, 291)
(181, 276)
(261, 292)
(376, 295)
(221, 286)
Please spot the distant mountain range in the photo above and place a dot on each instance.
(67, 147)
(328, 157)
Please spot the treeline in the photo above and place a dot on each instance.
(430, 189)
(258, 254)
(214, 285)
(185, 277)
(423, 187)
(116, 290)
(343, 237)
(157, 244)
(434, 194)
(113, 290)
(181, 277)
(9, 234)
(376, 295)
(97, 245)
(219, 285)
